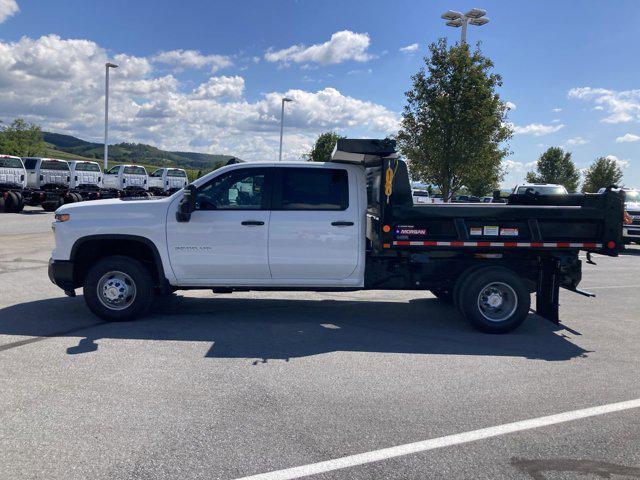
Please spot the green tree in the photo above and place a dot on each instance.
(22, 139)
(454, 123)
(484, 183)
(602, 173)
(555, 166)
(323, 148)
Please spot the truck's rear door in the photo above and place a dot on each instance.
(315, 227)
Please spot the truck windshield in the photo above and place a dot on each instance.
(10, 162)
(543, 190)
(87, 167)
(632, 196)
(176, 172)
(135, 170)
(54, 165)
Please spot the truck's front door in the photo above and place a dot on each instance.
(226, 240)
(315, 230)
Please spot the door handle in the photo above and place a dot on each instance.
(341, 224)
(252, 222)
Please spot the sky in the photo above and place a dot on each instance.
(208, 76)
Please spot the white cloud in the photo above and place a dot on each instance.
(343, 46)
(575, 141)
(628, 137)
(360, 71)
(221, 87)
(556, 110)
(621, 163)
(511, 105)
(8, 8)
(621, 106)
(512, 166)
(192, 59)
(409, 49)
(59, 84)
(536, 129)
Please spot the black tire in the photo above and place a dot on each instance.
(20, 202)
(11, 204)
(49, 206)
(140, 297)
(444, 294)
(78, 197)
(494, 284)
(2, 203)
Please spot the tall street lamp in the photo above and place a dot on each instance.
(106, 113)
(284, 100)
(475, 16)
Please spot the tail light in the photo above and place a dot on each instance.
(627, 219)
(41, 178)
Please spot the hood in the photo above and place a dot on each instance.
(116, 206)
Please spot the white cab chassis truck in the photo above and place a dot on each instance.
(48, 183)
(167, 181)
(349, 224)
(86, 179)
(126, 181)
(13, 180)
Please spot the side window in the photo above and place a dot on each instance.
(113, 170)
(242, 189)
(156, 173)
(314, 189)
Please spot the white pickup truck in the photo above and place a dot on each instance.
(166, 181)
(344, 225)
(13, 180)
(86, 178)
(130, 180)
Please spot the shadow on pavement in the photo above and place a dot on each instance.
(264, 329)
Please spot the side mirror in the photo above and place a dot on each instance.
(187, 204)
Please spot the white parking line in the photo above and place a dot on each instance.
(449, 440)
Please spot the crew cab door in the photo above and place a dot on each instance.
(226, 240)
(314, 231)
(110, 178)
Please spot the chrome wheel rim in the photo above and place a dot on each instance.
(497, 301)
(116, 290)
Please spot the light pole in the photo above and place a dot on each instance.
(107, 66)
(284, 100)
(475, 16)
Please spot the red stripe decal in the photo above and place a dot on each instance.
(563, 245)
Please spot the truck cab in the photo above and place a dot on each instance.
(85, 175)
(128, 179)
(166, 181)
(47, 173)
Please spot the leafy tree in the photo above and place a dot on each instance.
(484, 183)
(323, 148)
(22, 139)
(454, 122)
(555, 166)
(602, 173)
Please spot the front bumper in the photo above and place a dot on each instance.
(631, 233)
(61, 274)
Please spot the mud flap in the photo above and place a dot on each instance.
(548, 292)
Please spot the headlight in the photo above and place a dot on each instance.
(63, 217)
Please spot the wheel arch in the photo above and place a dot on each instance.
(90, 249)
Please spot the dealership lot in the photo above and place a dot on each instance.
(226, 386)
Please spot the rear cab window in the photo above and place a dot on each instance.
(156, 173)
(135, 170)
(54, 165)
(312, 189)
(87, 167)
(30, 163)
(176, 172)
(10, 162)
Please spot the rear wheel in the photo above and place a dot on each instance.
(2, 204)
(20, 202)
(12, 203)
(494, 300)
(118, 288)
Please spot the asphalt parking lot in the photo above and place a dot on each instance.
(228, 386)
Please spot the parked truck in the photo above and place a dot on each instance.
(126, 181)
(167, 181)
(86, 179)
(349, 224)
(13, 180)
(48, 183)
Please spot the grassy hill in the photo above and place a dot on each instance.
(71, 148)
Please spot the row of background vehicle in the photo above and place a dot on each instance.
(51, 183)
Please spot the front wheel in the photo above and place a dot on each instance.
(118, 288)
(495, 300)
